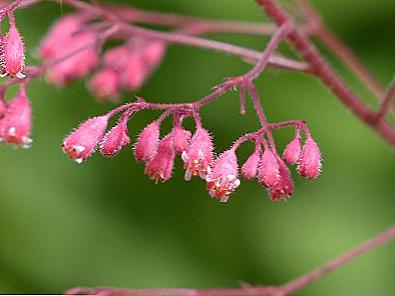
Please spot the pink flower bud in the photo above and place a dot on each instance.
(153, 53)
(180, 139)
(199, 155)
(79, 64)
(105, 84)
(250, 167)
(65, 38)
(60, 35)
(291, 153)
(116, 58)
(284, 187)
(16, 123)
(160, 167)
(13, 57)
(135, 72)
(310, 160)
(147, 143)
(81, 143)
(223, 179)
(115, 139)
(268, 173)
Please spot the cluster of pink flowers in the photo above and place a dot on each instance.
(220, 173)
(15, 115)
(127, 66)
(72, 49)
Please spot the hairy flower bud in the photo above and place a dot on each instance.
(250, 167)
(268, 172)
(81, 143)
(284, 187)
(160, 167)
(310, 160)
(12, 58)
(15, 126)
(115, 139)
(181, 139)
(292, 152)
(104, 84)
(223, 179)
(147, 143)
(199, 155)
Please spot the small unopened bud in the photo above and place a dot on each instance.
(268, 169)
(284, 187)
(250, 167)
(310, 160)
(135, 72)
(81, 143)
(153, 53)
(13, 56)
(199, 155)
(104, 84)
(160, 167)
(292, 152)
(223, 179)
(147, 143)
(181, 138)
(115, 139)
(16, 123)
(116, 58)
(60, 35)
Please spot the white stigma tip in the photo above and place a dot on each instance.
(20, 75)
(78, 160)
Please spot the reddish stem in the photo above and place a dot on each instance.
(323, 70)
(331, 41)
(302, 281)
(389, 96)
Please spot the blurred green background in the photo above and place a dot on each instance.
(104, 223)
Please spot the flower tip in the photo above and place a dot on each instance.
(310, 160)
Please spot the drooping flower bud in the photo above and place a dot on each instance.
(60, 35)
(199, 155)
(105, 84)
(153, 53)
(180, 139)
(310, 160)
(16, 123)
(13, 56)
(79, 64)
(160, 167)
(135, 72)
(116, 58)
(68, 39)
(284, 187)
(147, 143)
(268, 172)
(82, 142)
(250, 167)
(115, 139)
(292, 152)
(223, 178)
